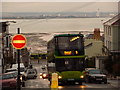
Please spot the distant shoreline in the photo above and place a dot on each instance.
(54, 18)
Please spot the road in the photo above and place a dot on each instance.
(44, 83)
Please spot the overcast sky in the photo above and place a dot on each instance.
(58, 6)
(60, 0)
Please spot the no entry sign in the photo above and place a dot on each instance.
(18, 41)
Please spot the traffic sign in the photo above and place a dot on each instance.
(19, 41)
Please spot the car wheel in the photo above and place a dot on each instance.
(25, 78)
(23, 84)
(87, 80)
(60, 83)
(105, 82)
(50, 83)
(35, 77)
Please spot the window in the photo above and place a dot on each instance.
(110, 30)
(110, 45)
(70, 42)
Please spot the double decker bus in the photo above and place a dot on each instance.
(65, 52)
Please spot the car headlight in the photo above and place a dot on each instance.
(59, 77)
(40, 73)
(44, 75)
(81, 76)
(40, 76)
(21, 78)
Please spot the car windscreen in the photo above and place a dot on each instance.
(31, 72)
(6, 76)
(94, 72)
(22, 69)
(12, 70)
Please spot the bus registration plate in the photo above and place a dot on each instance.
(70, 79)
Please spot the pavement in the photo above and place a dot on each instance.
(114, 82)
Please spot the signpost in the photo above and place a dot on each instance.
(18, 42)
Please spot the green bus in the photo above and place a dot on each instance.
(65, 56)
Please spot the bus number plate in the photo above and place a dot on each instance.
(70, 79)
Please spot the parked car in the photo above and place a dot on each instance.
(22, 67)
(30, 73)
(8, 81)
(95, 75)
(15, 73)
(11, 70)
(44, 67)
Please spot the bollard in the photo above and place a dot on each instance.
(54, 80)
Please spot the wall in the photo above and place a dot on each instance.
(95, 49)
(115, 38)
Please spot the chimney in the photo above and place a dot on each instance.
(97, 34)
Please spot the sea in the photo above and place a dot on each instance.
(55, 25)
(39, 31)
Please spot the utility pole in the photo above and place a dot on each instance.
(18, 42)
(1, 56)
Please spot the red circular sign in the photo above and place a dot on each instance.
(18, 41)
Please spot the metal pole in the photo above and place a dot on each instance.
(18, 55)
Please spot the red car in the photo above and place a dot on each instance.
(8, 80)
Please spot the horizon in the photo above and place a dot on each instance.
(63, 12)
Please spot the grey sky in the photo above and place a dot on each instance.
(59, 6)
(59, 0)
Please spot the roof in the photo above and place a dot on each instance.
(113, 21)
(89, 36)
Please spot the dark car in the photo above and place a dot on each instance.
(95, 75)
(8, 81)
(15, 73)
(11, 70)
(44, 67)
(30, 73)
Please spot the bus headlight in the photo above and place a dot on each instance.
(81, 76)
(59, 77)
